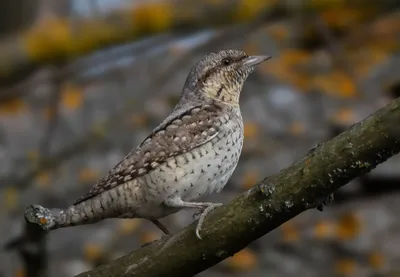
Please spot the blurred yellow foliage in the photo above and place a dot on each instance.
(48, 38)
(11, 196)
(247, 9)
(377, 260)
(12, 107)
(296, 128)
(345, 266)
(342, 16)
(288, 67)
(278, 31)
(344, 116)
(33, 156)
(128, 226)
(20, 272)
(290, 232)
(153, 17)
(324, 229)
(88, 175)
(251, 130)
(349, 226)
(43, 179)
(92, 252)
(244, 260)
(149, 236)
(71, 96)
(336, 83)
(250, 178)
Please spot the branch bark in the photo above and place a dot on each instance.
(276, 199)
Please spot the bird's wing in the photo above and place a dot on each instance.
(179, 133)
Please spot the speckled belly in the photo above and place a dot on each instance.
(203, 171)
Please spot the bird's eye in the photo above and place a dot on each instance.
(227, 61)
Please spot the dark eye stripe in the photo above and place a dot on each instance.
(212, 70)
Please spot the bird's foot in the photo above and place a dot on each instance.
(203, 213)
(324, 202)
(40, 216)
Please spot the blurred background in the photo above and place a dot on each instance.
(84, 81)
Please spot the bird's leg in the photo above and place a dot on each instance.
(205, 207)
(160, 226)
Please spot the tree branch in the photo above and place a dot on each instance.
(267, 205)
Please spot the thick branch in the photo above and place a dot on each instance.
(269, 204)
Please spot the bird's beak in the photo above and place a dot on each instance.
(254, 60)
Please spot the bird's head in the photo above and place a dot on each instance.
(220, 76)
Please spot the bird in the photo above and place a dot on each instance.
(191, 154)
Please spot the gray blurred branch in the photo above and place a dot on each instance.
(276, 199)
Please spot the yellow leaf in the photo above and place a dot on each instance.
(128, 226)
(336, 83)
(247, 9)
(11, 107)
(251, 130)
(349, 226)
(88, 175)
(243, 261)
(290, 232)
(376, 260)
(20, 272)
(278, 31)
(43, 179)
(324, 229)
(149, 236)
(93, 252)
(72, 97)
(33, 155)
(344, 116)
(156, 16)
(345, 266)
(250, 179)
(296, 128)
(11, 198)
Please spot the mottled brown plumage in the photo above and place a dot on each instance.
(192, 153)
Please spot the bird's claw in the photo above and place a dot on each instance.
(203, 214)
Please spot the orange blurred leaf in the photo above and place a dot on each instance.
(376, 260)
(242, 261)
(72, 97)
(296, 128)
(251, 130)
(12, 107)
(92, 252)
(43, 179)
(250, 178)
(349, 226)
(324, 229)
(11, 196)
(88, 175)
(344, 116)
(290, 232)
(149, 236)
(128, 226)
(345, 266)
